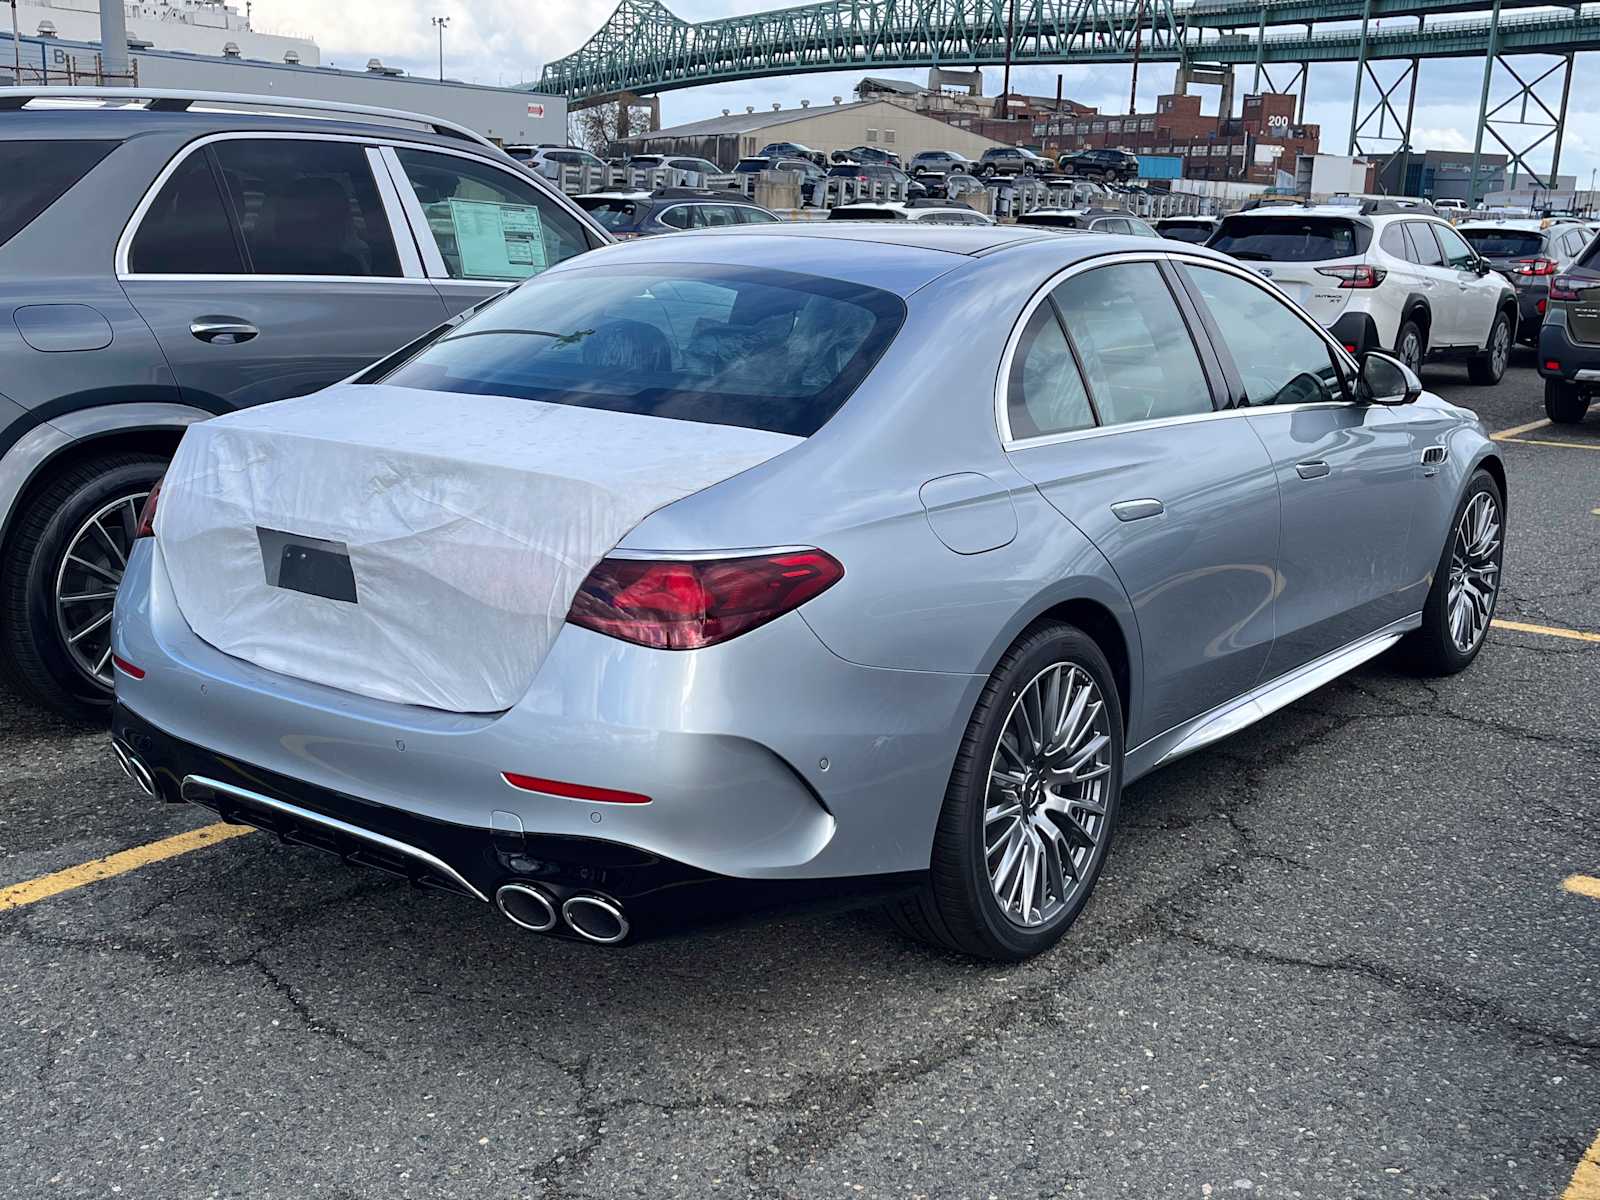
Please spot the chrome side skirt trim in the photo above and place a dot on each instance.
(195, 783)
(1244, 711)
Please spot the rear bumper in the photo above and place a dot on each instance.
(1532, 299)
(1357, 332)
(729, 743)
(1576, 362)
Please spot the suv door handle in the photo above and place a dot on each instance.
(222, 330)
(1312, 470)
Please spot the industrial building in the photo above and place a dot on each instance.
(505, 115)
(195, 26)
(838, 126)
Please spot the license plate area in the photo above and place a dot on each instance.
(314, 566)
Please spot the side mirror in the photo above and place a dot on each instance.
(1384, 379)
(1482, 266)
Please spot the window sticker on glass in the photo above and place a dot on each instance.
(497, 241)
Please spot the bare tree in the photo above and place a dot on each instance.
(595, 128)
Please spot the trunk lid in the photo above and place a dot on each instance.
(416, 546)
(1583, 314)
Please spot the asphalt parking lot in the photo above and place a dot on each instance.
(1348, 953)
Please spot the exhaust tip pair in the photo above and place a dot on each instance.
(133, 767)
(593, 918)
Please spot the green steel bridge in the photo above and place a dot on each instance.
(644, 49)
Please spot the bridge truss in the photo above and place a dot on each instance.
(644, 49)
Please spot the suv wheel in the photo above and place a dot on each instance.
(1564, 404)
(59, 579)
(1031, 805)
(1411, 346)
(1489, 367)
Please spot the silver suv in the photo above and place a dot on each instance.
(160, 264)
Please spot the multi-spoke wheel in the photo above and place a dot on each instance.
(86, 583)
(1046, 804)
(1031, 807)
(1466, 582)
(59, 579)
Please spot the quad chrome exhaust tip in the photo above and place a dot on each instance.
(595, 919)
(133, 767)
(526, 906)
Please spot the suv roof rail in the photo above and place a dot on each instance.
(1378, 208)
(181, 100)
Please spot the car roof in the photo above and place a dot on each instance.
(1523, 225)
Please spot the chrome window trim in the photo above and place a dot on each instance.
(406, 247)
(533, 179)
(367, 142)
(1178, 257)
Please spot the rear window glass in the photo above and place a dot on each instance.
(613, 214)
(33, 176)
(1504, 243)
(842, 213)
(1193, 234)
(722, 345)
(1291, 239)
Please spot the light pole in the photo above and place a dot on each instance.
(440, 23)
(16, 45)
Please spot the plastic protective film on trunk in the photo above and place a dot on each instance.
(414, 546)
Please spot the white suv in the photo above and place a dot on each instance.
(1383, 276)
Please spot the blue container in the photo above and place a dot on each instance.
(1160, 166)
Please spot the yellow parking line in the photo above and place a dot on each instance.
(42, 888)
(1585, 1183)
(1582, 885)
(1503, 434)
(1537, 442)
(1577, 635)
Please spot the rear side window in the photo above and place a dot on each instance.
(1393, 242)
(1291, 239)
(1424, 246)
(186, 230)
(1504, 243)
(33, 176)
(307, 207)
(1136, 351)
(1046, 393)
(722, 345)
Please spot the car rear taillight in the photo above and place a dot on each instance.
(684, 604)
(1361, 276)
(147, 514)
(1565, 287)
(1535, 266)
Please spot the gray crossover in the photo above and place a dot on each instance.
(168, 256)
(887, 557)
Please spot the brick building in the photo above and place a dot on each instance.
(1250, 148)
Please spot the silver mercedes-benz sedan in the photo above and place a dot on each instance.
(796, 558)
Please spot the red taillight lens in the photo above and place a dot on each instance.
(685, 604)
(1361, 276)
(1535, 266)
(1565, 287)
(1551, 364)
(147, 514)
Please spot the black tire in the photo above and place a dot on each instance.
(1489, 367)
(1431, 650)
(1411, 335)
(957, 909)
(33, 648)
(1564, 403)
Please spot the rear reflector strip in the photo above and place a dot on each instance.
(126, 667)
(572, 791)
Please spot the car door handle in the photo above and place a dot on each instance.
(1138, 510)
(1312, 470)
(222, 330)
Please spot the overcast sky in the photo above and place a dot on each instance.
(496, 42)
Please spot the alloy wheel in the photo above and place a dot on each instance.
(1411, 351)
(1474, 572)
(1044, 818)
(86, 583)
(1500, 348)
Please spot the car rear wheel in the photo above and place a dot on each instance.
(1466, 583)
(1031, 807)
(59, 579)
(1411, 346)
(1564, 404)
(1489, 368)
